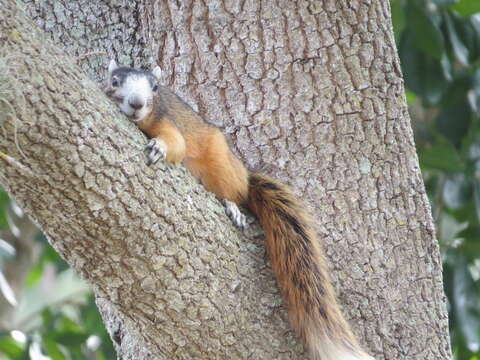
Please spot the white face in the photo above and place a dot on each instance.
(137, 95)
(132, 89)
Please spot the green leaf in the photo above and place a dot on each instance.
(100, 356)
(473, 36)
(398, 19)
(465, 304)
(67, 324)
(10, 347)
(48, 319)
(69, 338)
(467, 7)
(471, 246)
(412, 62)
(456, 191)
(411, 97)
(442, 156)
(476, 196)
(35, 274)
(459, 49)
(423, 75)
(4, 199)
(435, 84)
(52, 349)
(428, 36)
(453, 122)
(456, 92)
(469, 36)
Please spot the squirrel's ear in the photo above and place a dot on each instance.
(112, 66)
(157, 72)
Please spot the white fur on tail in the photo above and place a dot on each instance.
(323, 348)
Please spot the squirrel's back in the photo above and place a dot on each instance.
(167, 105)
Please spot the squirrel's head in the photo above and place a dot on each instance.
(133, 89)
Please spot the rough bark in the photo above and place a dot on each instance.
(311, 89)
(92, 31)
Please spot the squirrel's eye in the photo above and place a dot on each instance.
(155, 87)
(114, 82)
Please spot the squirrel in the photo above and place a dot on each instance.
(179, 134)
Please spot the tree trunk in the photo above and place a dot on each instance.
(310, 90)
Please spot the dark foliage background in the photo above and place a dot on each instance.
(439, 47)
(55, 316)
(52, 315)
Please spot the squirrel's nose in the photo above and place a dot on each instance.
(136, 103)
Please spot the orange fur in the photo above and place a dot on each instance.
(169, 133)
(210, 159)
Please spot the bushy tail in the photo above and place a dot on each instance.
(301, 272)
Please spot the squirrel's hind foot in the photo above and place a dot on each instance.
(234, 213)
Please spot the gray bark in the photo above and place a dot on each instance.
(311, 90)
(92, 31)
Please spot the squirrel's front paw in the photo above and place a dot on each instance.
(156, 150)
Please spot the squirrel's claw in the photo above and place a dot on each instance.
(156, 150)
(234, 213)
